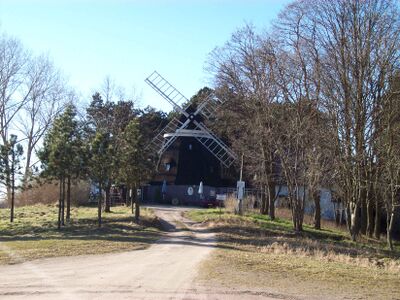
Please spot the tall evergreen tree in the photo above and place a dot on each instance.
(99, 164)
(61, 154)
(134, 165)
(10, 166)
(109, 118)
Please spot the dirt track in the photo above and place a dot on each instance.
(166, 270)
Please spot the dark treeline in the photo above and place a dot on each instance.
(314, 102)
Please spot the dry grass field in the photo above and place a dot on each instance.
(34, 232)
(256, 253)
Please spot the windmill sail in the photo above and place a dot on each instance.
(209, 106)
(216, 146)
(176, 128)
(159, 143)
(166, 90)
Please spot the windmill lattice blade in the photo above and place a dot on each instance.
(217, 147)
(209, 106)
(159, 144)
(167, 91)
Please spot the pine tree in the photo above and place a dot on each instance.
(10, 167)
(134, 166)
(62, 154)
(99, 163)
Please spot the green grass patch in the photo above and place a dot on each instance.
(34, 233)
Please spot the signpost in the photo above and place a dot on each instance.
(240, 185)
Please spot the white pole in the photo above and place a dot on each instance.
(241, 168)
(240, 208)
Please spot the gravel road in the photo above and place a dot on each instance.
(166, 270)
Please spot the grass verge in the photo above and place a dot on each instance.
(34, 233)
(255, 252)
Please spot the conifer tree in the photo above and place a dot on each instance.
(62, 153)
(10, 167)
(134, 166)
(99, 164)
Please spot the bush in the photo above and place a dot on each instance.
(248, 203)
(230, 204)
(48, 193)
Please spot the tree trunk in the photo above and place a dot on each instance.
(27, 163)
(131, 199)
(389, 230)
(337, 216)
(263, 206)
(343, 217)
(7, 174)
(297, 206)
(297, 212)
(68, 199)
(354, 221)
(338, 211)
(63, 202)
(317, 212)
(298, 222)
(299, 226)
(377, 228)
(12, 188)
(99, 201)
(107, 208)
(348, 217)
(127, 196)
(271, 200)
(364, 213)
(266, 202)
(391, 215)
(59, 206)
(137, 207)
(370, 219)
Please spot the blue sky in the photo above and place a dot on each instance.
(127, 40)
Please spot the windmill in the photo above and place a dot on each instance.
(190, 123)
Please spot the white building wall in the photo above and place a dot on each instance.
(327, 208)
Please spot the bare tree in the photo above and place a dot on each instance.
(296, 116)
(389, 142)
(356, 46)
(325, 60)
(46, 99)
(360, 65)
(112, 92)
(243, 77)
(299, 77)
(14, 65)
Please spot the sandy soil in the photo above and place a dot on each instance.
(166, 270)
